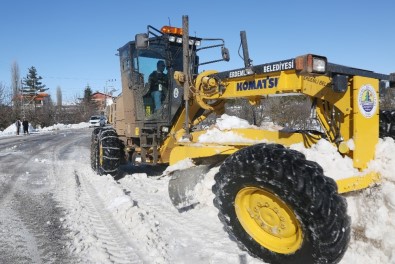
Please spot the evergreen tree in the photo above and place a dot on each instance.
(87, 93)
(88, 106)
(33, 81)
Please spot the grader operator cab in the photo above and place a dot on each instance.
(277, 205)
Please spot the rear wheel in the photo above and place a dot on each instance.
(107, 149)
(280, 207)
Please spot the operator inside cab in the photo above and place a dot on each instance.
(158, 82)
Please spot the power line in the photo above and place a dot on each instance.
(77, 78)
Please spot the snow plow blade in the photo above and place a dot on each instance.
(182, 185)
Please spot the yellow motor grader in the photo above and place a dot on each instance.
(278, 205)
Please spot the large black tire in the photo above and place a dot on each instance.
(387, 123)
(303, 204)
(108, 151)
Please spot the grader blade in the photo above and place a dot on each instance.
(182, 185)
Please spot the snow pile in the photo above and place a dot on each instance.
(226, 122)
(63, 126)
(11, 130)
(372, 212)
(324, 153)
(182, 165)
(385, 159)
(219, 134)
(215, 135)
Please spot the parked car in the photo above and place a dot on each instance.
(97, 120)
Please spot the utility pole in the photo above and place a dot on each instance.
(108, 88)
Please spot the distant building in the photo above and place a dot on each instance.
(101, 99)
(33, 100)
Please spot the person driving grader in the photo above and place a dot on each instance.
(158, 83)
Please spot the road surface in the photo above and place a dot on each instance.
(55, 209)
(35, 170)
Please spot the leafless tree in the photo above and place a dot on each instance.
(2, 93)
(288, 111)
(15, 90)
(45, 115)
(59, 96)
(292, 112)
(6, 115)
(15, 79)
(387, 99)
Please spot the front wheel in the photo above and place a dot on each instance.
(280, 207)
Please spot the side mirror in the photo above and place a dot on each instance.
(225, 54)
(141, 41)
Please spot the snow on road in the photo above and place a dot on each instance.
(145, 220)
(127, 221)
(131, 220)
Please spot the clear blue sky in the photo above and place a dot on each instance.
(73, 43)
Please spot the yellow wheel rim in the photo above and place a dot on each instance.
(101, 154)
(268, 220)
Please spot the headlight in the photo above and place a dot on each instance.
(165, 129)
(319, 65)
(172, 38)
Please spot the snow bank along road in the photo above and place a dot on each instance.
(55, 209)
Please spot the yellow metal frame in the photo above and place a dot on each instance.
(365, 130)
(357, 182)
(341, 108)
(196, 150)
(340, 113)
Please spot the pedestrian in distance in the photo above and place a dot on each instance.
(18, 126)
(25, 125)
(103, 119)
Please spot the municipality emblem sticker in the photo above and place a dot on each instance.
(367, 100)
